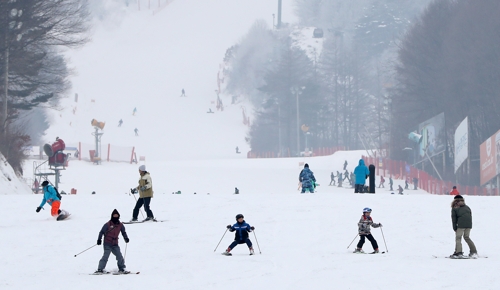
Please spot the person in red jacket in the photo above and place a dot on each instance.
(454, 191)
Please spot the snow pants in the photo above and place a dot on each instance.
(237, 242)
(108, 249)
(54, 211)
(458, 240)
(370, 238)
(307, 185)
(142, 201)
(359, 188)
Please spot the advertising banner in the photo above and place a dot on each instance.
(433, 136)
(488, 158)
(461, 143)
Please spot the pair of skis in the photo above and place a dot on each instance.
(143, 221)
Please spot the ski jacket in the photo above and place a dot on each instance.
(145, 180)
(454, 192)
(111, 231)
(242, 230)
(361, 172)
(461, 216)
(306, 175)
(49, 195)
(364, 225)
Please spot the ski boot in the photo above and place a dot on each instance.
(458, 255)
(359, 251)
(227, 252)
(375, 251)
(251, 251)
(473, 256)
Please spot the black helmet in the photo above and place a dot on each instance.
(45, 183)
(239, 216)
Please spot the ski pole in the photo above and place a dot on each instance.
(85, 250)
(125, 251)
(387, 250)
(221, 240)
(353, 240)
(257, 241)
(140, 210)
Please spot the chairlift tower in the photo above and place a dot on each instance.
(97, 135)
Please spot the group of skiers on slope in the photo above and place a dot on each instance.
(111, 229)
(461, 214)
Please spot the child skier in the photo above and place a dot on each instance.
(111, 230)
(51, 197)
(364, 231)
(306, 177)
(241, 236)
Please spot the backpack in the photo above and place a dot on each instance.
(57, 193)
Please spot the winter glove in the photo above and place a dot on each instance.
(379, 224)
(143, 188)
(126, 240)
(99, 242)
(133, 190)
(228, 226)
(38, 209)
(252, 228)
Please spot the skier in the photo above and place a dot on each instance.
(237, 150)
(145, 189)
(332, 179)
(391, 183)
(400, 189)
(406, 183)
(135, 111)
(306, 177)
(241, 236)
(111, 230)
(415, 183)
(236, 190)
(382, 181)
(461, 218)
(136, 131)
(210, 111)
(346, 176)
(183, 93)
(454, 191)
(339, 179)
(345, 165)
(51, 197)
(362, 173)
(120, 123)
(364, 231)
(352, 178)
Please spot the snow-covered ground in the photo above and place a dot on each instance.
(144, 61)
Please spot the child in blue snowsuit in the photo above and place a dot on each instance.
(306, 176)
(241, 236)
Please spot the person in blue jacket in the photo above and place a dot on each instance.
(307, 178)
(361, 172)
(50, 197)
(241, 229)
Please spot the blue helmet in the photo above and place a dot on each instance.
(367, 209)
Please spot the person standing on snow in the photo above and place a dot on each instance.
(361, 172)
(332, 179)
(306, 177)
(111, 230)
(391, 183)
(454, 191)
(145, 189)
(461, 219)
(241, 236)
(382, 181)
(364, 231)
(183, 93)
(51, 197)
(345, 165)
(120, 123)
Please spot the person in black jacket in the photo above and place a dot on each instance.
(110, 231)
(241, 229)
(461, 219)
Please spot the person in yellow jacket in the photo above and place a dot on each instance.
(145, 189)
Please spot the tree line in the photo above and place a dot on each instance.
(33, 70)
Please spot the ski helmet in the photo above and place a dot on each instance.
(239, 216)
(367, 209)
